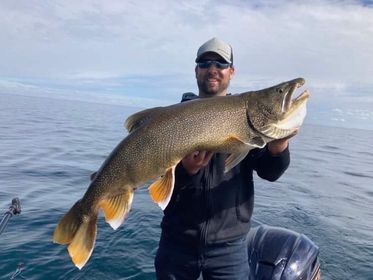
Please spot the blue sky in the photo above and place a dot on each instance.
(142, 52)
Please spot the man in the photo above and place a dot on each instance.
(206, 222)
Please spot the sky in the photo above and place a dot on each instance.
(141, 53)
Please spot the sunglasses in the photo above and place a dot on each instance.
(207, 63)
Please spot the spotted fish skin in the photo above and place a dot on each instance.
(157, 141)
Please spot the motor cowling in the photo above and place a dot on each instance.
(276, 253)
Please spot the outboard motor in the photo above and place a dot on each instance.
(280, 254)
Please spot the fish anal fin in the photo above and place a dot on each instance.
(116, 208)
(161, 190)
(138, 119)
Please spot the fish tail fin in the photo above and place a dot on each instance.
(116, 208)
(79, 231)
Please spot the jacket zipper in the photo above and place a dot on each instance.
(207, 199)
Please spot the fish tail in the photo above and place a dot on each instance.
(79, 231)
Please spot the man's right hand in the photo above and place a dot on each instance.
(193, 162)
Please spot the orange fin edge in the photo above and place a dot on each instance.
(161, 190)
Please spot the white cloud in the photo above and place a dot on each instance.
(107, 43)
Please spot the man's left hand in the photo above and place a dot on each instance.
(278, 146)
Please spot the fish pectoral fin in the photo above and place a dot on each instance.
(79, 231)
(138, 119)
(242, 148)
(252, 142)
(116, 208)
(256, 142)
(161, 190)
(233, 159)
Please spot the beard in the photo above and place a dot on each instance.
(212, 88)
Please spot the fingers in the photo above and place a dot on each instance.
(202, 158)
(291, 135)
(196, 160)
(287, 137)
(278, 146)
(207, 158)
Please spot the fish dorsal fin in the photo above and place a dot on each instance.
(116, 208)
(93, 176)
(161, 190)
(138, 119)
(243, 148)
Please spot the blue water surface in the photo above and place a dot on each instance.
(49, 147)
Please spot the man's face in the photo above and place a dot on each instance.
(213, 81)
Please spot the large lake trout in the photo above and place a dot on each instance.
(160, 137)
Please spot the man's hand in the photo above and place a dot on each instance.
(278, 146)
(193, 162)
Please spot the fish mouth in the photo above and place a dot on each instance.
(289, 103)
(293, 109)
(291, 114)
(283, 114)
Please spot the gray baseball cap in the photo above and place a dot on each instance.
(217, 46)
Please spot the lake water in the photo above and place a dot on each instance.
(49, 148)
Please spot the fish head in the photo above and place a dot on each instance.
(274, 112)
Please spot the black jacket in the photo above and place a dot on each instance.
(213, 207)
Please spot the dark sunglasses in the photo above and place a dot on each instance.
(207, 63)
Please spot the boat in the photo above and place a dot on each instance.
(274, 253)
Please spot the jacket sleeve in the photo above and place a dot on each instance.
(268, 166)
